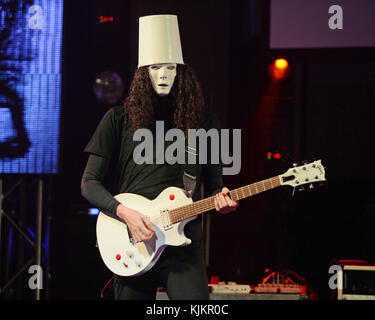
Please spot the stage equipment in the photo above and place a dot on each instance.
(283, 282)
(109, 87)
(229, 288)
(356, 282)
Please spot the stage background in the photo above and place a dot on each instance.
(324, 109)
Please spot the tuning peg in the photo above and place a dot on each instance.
(311, 186)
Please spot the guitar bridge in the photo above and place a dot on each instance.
(166, 220)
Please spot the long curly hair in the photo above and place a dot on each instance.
(185, 97)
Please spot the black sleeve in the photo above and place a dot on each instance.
(212, 173)
(92, 185)
(105, 139)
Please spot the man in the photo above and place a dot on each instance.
(163, 89)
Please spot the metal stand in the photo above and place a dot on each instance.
(37, 244)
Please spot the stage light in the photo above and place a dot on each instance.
(109, 87)
(93, 211)
(279, 69)
(103, 19)
(281, 64)
(276, 155)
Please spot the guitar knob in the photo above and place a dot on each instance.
(138, 263)
(129, 253)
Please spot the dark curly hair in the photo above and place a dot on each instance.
(186, 99)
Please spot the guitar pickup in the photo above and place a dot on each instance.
(166, 220)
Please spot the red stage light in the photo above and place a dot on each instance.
(106, 19)
(277, 155)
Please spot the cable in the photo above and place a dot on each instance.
(101, 293)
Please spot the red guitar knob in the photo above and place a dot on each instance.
(118, 256)
(171, 197)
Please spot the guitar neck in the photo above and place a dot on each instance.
(208, 204)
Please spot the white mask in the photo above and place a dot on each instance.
(162, 77)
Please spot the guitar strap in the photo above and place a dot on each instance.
(192, 169)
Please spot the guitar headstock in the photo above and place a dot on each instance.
(303, 174)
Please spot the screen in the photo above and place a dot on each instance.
(322, 24)
(30, 85)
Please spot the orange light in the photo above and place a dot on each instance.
(281, 63)
(279, 69)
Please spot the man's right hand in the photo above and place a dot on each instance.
(139, 226)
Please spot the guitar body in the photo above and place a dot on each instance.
(127, 258)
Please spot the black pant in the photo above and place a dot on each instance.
(179, 270)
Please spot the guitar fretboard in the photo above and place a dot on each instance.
(208, 204)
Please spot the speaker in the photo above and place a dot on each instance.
(356, 283)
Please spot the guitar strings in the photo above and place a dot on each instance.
(204, 205)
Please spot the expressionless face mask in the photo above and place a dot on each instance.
(162, 77)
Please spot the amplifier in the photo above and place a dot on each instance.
(356, 283)
(251, 296)
(229, 288)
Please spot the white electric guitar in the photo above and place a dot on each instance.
(169, 213)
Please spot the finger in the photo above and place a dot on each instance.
(147, 223)
(221, 201)
(225, 191)
(216, 204)
(143, 232)
(230, 202)
(136, 237)
(224, 208)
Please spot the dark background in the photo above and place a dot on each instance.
(324, 110)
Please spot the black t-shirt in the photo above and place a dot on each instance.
(113, 140)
